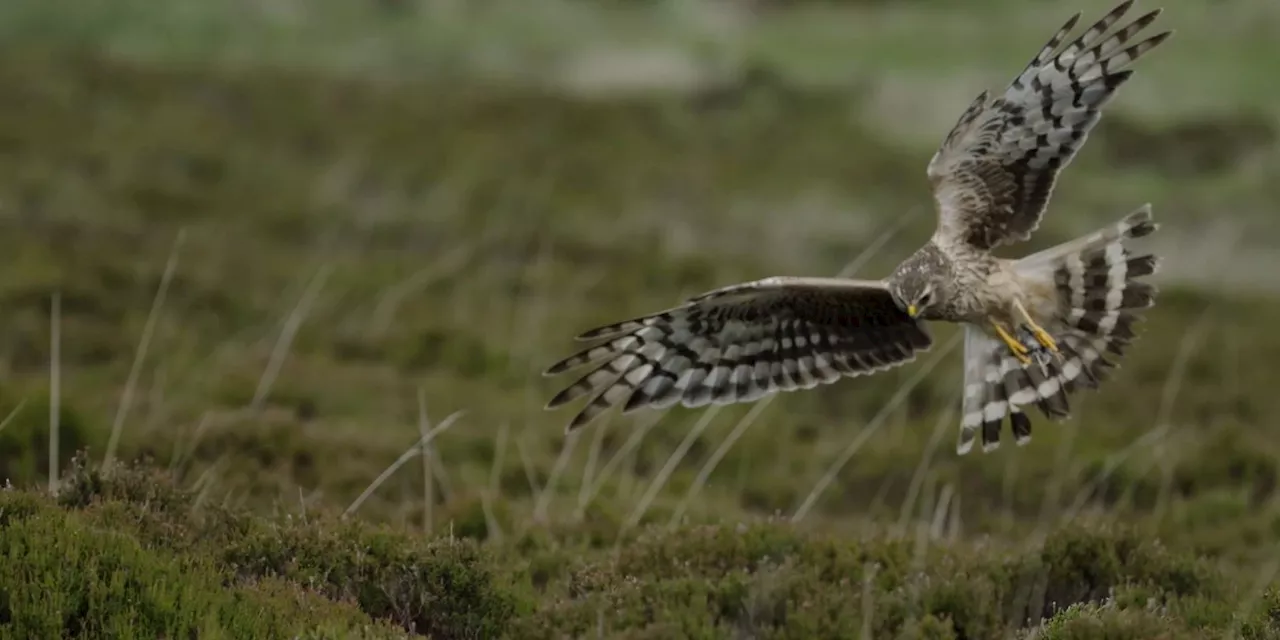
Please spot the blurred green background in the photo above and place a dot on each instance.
(288, 237)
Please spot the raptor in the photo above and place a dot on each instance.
(1035, 328)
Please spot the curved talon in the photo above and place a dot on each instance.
(1043, 338)
(1036, 330)
(1020, 351)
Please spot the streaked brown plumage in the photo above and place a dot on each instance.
(1036, 328)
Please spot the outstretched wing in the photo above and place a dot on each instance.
(995, 172)
(741, 342)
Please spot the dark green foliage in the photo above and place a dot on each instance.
(1088, 564)
(768, 580)
(61, 575)
(1095, 622)
(132, 552)
(442, 587)
(24, 439)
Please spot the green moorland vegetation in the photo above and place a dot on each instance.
(257, 254)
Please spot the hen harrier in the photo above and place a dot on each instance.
(1036, 328)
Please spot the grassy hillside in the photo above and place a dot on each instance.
(131, 554)
(280, 263)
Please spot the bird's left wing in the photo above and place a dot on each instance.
(741, 342)
(995, 171)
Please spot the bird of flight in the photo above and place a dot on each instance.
(1035, 328)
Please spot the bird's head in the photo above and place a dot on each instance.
(917, 285)
(913, 295)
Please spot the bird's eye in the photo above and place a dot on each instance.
(926, 299)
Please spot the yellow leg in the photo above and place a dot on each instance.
(1019, 350)
(1040, 334)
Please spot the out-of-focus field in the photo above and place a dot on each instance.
(288, 238)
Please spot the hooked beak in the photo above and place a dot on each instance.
(912, 310)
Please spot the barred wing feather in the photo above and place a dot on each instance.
(740, 343)
(994, 173)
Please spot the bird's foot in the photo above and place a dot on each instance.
(1037, 350)
(1038, 338)
(1020, 351)
(1037, 332)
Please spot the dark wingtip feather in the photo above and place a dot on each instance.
(602, 331)
(1020, 422)
(639, 398)
(1115, 14)
(1141, 266)
(1145, 19)
(571, 362)
(1072, 22)
(1114, 80)
(991, 435)
(1139, 222)
(1143, 228)
(558, 400)
(583, 418)
(1159, 37)
(1137, 295)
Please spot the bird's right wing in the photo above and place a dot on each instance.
(993, 175)
(742, 342)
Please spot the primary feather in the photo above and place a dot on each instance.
(995, 171)
(742, 342)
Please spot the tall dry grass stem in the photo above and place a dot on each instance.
(408, 455)
(940, 427)
(55, 388)
(874, 425)
(140, 353)
(288, 332)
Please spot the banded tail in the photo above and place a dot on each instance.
(1099, 299)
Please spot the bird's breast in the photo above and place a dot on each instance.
(986, 290)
